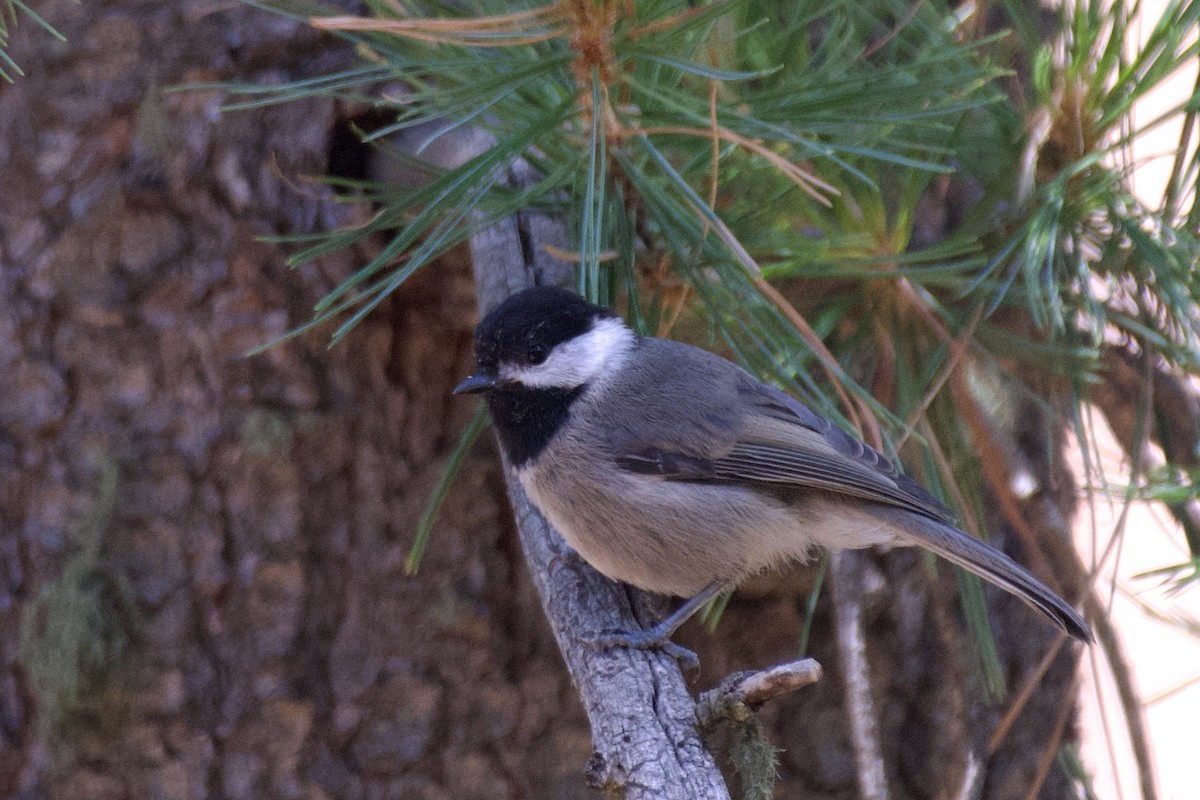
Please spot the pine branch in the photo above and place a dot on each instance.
(10, 12)
(643, 720)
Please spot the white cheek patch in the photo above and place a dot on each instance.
(584, 359)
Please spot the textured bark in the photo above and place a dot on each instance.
(264, 506)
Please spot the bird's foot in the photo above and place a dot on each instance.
(653, 639)
(568, 559)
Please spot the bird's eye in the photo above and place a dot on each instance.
(537, 353)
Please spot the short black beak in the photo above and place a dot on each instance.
(475, 384)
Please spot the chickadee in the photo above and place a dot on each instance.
(672, 469)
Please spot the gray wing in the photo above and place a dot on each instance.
(852, 464)
(715, 423)
(764, 436)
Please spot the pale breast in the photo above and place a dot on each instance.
(677, 537)
(672, 536)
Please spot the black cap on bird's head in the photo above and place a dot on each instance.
(524, 329)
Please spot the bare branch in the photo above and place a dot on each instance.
(758, 687)
(852, 649)
(1174, 424)
(643, 719)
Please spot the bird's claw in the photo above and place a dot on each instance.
(646, 640)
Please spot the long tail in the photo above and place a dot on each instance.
(993, 566)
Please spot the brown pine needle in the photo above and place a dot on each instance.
(669, 22)
(970, 522)
(830, 364)
(461, 40)
(807, 182)
(502, 30)
(1056, 739)
(1004, 727)
(510, 22)
(716, 144)
(573, 256)
(958, 359)
(892, 34)
(731, 241)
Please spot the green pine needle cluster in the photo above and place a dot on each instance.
(756, 176)
(11, 11)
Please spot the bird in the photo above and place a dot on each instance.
(674, 470)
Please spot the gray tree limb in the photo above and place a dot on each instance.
(642, 717)
(860, 704)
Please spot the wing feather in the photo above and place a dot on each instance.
(759, 463)
(776, 440)
(740, 431)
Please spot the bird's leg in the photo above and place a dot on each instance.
(659, 637)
